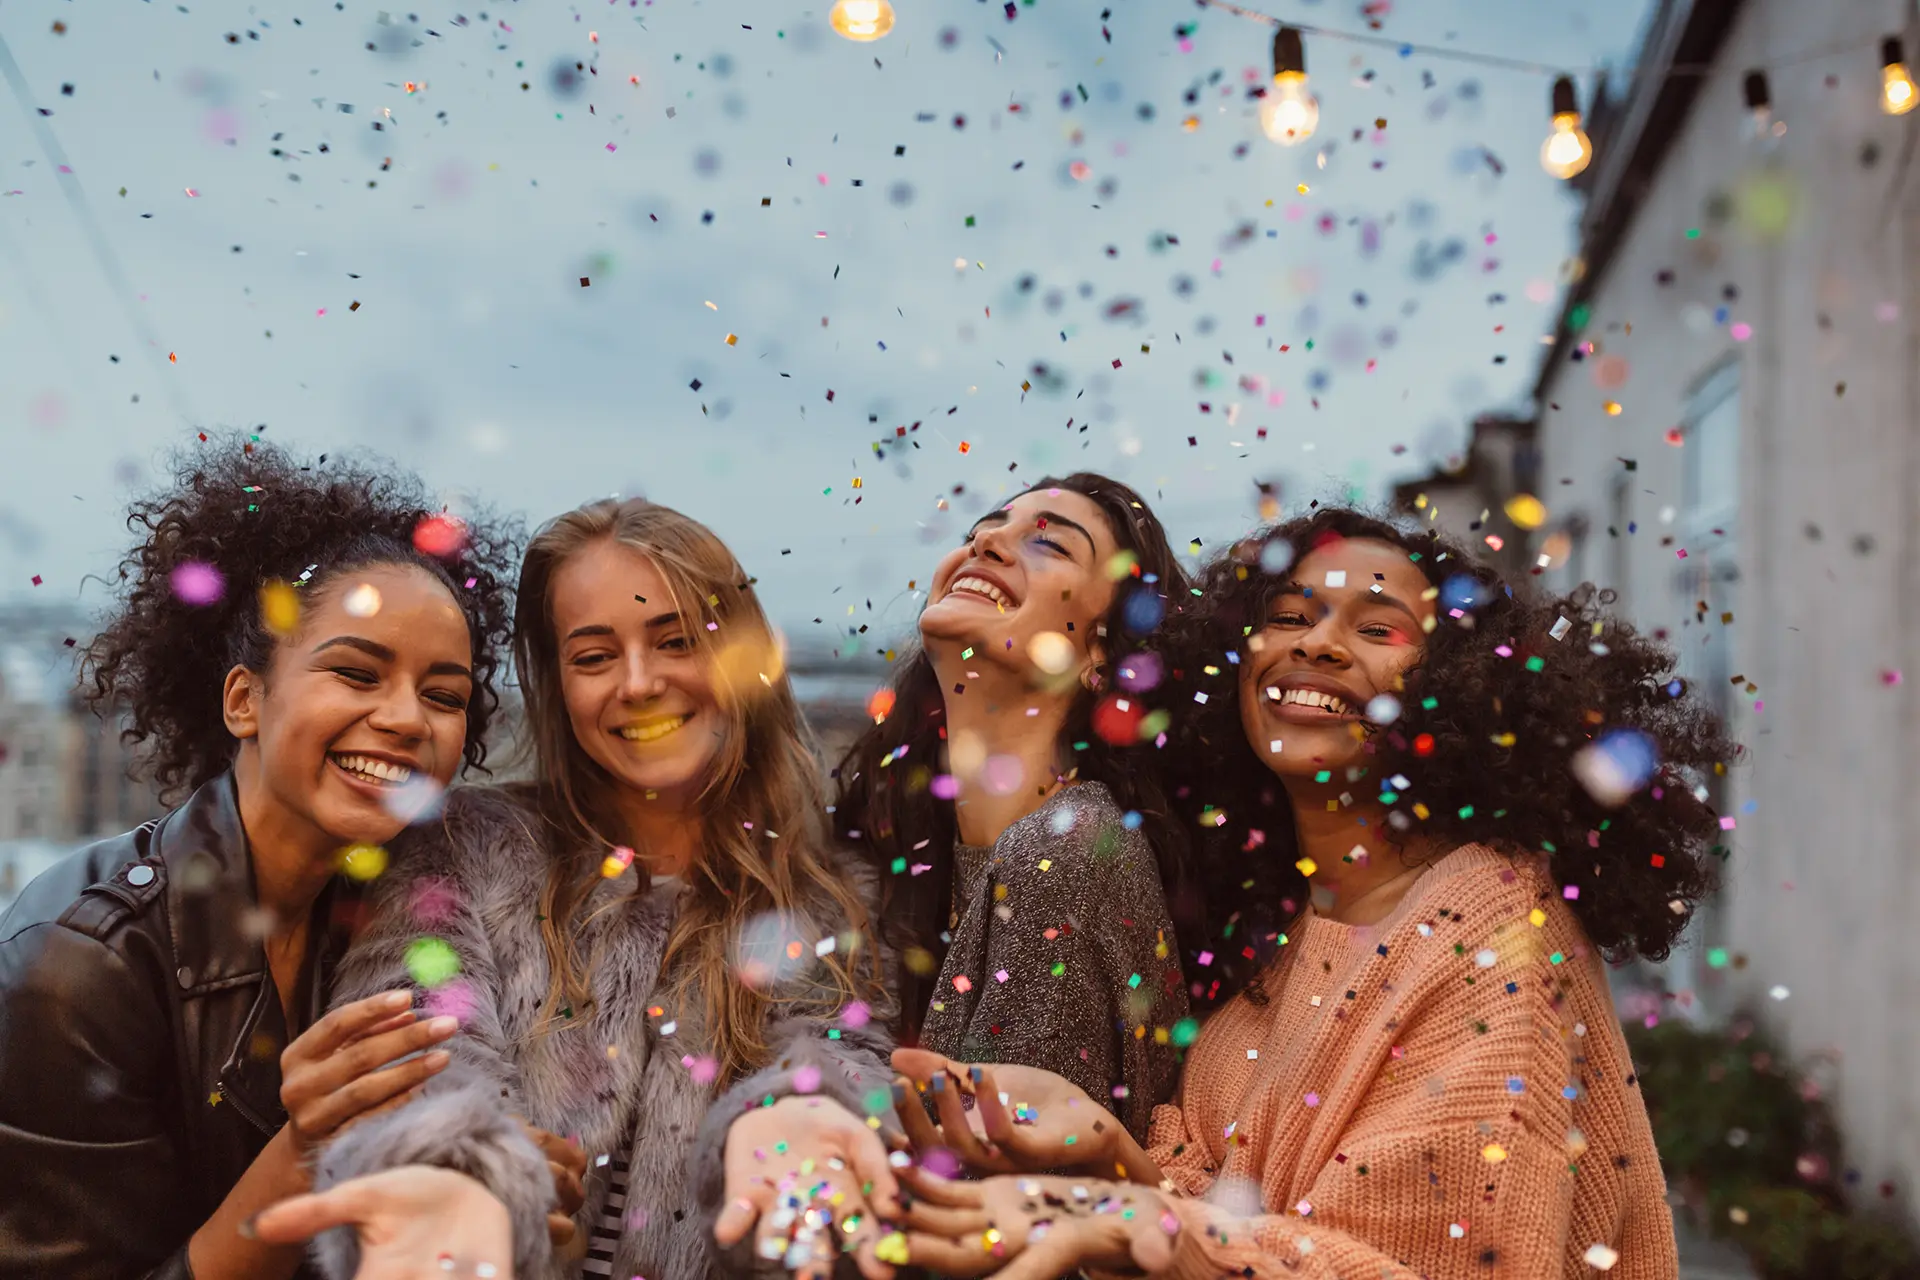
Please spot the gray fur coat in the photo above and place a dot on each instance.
(619, 1080)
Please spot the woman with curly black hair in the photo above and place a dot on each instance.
(309, 654)
(1434, 801)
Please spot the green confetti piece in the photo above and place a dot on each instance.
(1536, 663)
(1059, 967)
(1466, 811)
(1185, 1032)
(431, 962)
(1133, 981)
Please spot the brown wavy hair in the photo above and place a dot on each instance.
(256, 514)
(892, 816)
(767, 780)
(1498, 769)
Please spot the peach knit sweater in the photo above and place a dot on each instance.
(1443, 1094)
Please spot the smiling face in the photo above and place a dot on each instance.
(1350, 623)
(639, 696)
(360, 719)
(1037, 565)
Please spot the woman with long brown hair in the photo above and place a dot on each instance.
(647, 943)
(1011, 803)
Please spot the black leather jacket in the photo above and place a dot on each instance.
(140, 1039)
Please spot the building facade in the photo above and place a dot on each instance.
(1729, 438)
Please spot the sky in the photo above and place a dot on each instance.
(803, 289)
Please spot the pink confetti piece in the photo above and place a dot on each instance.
(807, 1079)
(612, 147)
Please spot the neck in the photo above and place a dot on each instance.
(1360, 874)
(665, 831)
(992, 716)
(292, 859)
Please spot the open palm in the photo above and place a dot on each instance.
(1023, 1119)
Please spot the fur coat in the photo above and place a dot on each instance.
(467, 889)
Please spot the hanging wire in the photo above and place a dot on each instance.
(1405, 47)
(103, 253)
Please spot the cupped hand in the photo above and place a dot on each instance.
(1029, 1228)
(1024, 1120)
(345, 1066)
(413, 1222)
(568, 1164)
(812, 1181)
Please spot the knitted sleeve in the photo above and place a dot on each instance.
(1466, 1166)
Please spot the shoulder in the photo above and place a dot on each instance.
(1495, 915)
(69, 995)
(1083, 830)
(93, 891)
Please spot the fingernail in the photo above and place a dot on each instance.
(248, 1231)
(940, 1082)
(439, 1058)
(398, 999)
(899, 1094)
(443, 1026)
(976, 1073)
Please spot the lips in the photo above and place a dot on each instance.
(1311, 699)
(373, 770)
(986, 586)
(653, 728)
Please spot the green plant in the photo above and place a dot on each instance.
(1752, 1149)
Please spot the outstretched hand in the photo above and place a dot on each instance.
(814, 1180)
(412, 1222)
(1028, 1228)
(1024, 1120)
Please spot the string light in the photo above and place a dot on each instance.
(1897, 94)
(861, 20)
(1760, 126)
(1567, 149)
(1289, 113)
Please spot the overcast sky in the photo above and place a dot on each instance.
(896, 233)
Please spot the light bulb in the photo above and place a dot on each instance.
(861, 20)
(1897, 93)
(1289, 113)
(1566, 150)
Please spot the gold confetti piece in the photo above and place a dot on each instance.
(363, 862)
(280, 608)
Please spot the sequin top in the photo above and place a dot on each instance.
(1063, 956)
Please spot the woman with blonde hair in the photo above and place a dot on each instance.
(644, 945)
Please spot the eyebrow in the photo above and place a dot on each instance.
(602, 629)
(374, 649)
(1370, 597)
(1002, 516)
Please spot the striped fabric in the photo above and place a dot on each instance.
(606, 1233)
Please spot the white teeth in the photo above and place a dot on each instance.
(652, 730)
(370, 770)
(1310, 698)
(980, 586)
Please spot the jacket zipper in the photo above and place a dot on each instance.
(247, 1113)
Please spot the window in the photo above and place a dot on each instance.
(1711, 440)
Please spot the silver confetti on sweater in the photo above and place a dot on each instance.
(1061, 951)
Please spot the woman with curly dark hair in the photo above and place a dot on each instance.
(1434, 801)
(309, 654)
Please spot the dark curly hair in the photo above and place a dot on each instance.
(891, 814)
(1509, 688)
(254, 514)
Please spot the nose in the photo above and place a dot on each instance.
(639, 680)
(400, 713)
(1321, 643)
(993, 543)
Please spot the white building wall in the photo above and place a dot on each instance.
(1823, 536)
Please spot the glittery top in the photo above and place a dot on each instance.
(1062, 951)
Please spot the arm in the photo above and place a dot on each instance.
(1457, 1160)
(84, 1118)
(463, 1118)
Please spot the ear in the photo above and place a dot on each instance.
(240, 699)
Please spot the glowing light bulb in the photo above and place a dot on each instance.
(1897, 93)
(861, 20)
(1567, 149)
(1289, 114)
